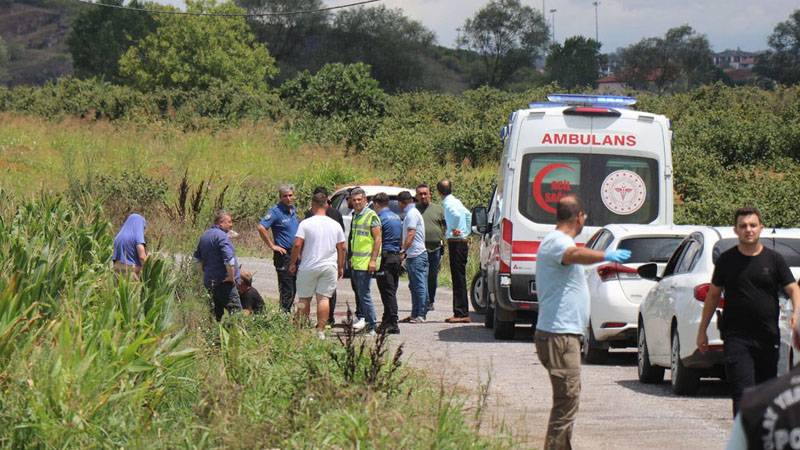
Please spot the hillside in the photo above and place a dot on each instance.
(36, 36)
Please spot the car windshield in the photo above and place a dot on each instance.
(789, 248)
(650, 249)
(614, 188)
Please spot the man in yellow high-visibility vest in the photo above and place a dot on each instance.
(365, 251)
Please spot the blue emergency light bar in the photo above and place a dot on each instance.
(596, 100)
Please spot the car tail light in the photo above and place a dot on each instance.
(591, 111)
(506, 232)
(616, 271)
(701, 292)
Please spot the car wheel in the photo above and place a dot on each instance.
(477, 293)
(685, 381)
(488, 318)
(593, 351)
(647, 373)
(503, 330)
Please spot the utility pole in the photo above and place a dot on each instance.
(553, 21)
(596, 32)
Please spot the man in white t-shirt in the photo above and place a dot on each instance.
(319, 245)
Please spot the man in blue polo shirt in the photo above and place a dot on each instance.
(388, 275)
(217, 257)
(282, 219)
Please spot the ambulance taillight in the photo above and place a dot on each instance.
(506, 232)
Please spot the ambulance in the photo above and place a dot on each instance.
(616, 159)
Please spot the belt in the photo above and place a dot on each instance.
(391, 253)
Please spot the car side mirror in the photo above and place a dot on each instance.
(649, 271)
(480, 219)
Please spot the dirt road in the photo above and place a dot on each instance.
(616, 411)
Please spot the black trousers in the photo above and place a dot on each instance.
(387, 285)
(748, 362)
(224, 296)
(459, 250)
(332, 303)
(286, 281)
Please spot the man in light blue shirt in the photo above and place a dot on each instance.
(563, 310)
(459, 226)
(416, 257)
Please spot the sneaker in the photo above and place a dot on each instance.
(360, 324)
(455, 319)
(430, 307)
(418, 320)
(372, 333)
(392, 329)
(321, 335)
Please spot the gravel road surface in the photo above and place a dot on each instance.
(616, 411)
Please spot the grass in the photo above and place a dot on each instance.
(87, 360)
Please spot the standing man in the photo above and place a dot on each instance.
(435, 226)
(563, 312)
(459, 225)
(319, 246)
(334, 214)
(751, 276)
(389, 272)
(365, 257)
(282, 219)
(416, 257)
(217, 258)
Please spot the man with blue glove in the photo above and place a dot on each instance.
(563, 314)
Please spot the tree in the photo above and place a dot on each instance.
(385, 39)
(188, 52)
(576, 63)
(507, 35)
(782, 63)
(680, 60)
(286, 34)
(337, 89)
(100, 36)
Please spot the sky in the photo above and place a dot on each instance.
(728, 24)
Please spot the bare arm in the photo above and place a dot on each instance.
(340, 253)
(142, 252)
(376, 249)
(709, 306)
(793, 291)
(582, 255)
(296, 249)
(409, 238)
(265, 236)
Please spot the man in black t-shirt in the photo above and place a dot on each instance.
(751, 277)
(252, 303)
(334, 214)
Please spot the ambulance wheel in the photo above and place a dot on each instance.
(477, 293)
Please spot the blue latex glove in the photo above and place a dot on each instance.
(618, 256)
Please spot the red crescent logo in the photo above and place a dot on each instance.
(537, 184)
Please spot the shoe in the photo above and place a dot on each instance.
(372, 333)
(455, 319)
(321, 335)
(407, 319)
(392, 329)
(430, 307)
(418, 320)
(360, 324)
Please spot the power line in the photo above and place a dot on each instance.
(191, 13)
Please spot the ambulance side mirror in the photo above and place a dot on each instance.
(480, 219)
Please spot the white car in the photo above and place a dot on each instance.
(670, 314)
(339, 201)
(617, 289)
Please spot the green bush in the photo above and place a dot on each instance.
(336, 90)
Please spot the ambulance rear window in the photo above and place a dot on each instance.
(613, 188)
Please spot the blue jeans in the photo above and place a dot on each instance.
(417, 268)
(434, 261)
(362, 280)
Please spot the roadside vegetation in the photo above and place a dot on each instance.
(89, 361)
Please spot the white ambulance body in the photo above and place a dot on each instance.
(616, 159)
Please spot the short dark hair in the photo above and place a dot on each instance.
(423, 185)
(356, 191)
(405, 197)
(445, 187)
(747, 211)
(320, 190)
(319, 200)
(380, 199)
(568, 208)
